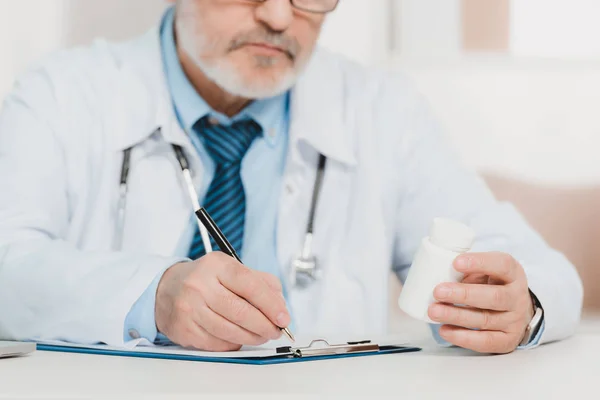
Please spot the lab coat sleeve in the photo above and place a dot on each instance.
(50, 289)
(433, 183)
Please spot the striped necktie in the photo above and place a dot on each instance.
(225, 200)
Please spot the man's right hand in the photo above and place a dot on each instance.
(218, 304)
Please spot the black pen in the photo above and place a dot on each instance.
(226, 247)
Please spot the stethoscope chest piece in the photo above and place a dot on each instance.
(305, 271)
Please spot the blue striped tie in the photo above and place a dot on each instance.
(226, 200)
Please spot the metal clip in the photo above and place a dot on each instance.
(313, 350)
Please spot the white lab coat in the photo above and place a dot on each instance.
(62, 133)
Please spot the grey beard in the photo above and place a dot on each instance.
(265, 62)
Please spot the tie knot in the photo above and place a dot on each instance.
(228, 144)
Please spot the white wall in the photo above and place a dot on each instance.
(360, 29)
(555, 28)
(111, 19)
(28, 30)
(428, 28)
(530, 119)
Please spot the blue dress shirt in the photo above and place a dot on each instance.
(262, 173)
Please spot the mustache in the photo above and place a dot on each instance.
(280, 40)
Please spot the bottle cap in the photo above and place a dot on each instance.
(451, 235)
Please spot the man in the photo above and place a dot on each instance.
(241, 89)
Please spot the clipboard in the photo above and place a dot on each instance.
(317, 350)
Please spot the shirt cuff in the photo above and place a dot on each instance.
(535, 341)
(435, 331)
(140, 322)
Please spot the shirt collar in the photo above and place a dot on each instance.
(190, 106)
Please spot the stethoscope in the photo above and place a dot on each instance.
(304, 268)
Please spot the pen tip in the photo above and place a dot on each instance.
(289, 334)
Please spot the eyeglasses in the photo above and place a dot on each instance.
(312, 6)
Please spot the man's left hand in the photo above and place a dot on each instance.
(495, 304)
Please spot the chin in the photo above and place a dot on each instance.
(251, 76)
(255, 83)
(262, 87)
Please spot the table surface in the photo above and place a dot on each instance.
(557, 370)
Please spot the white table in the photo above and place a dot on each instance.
(561, 370)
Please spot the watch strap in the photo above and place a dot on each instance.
(535, 324)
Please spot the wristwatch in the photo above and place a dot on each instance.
(536, 322)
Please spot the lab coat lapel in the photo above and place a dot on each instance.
(148, 104)
(319, 124)
(159, 208)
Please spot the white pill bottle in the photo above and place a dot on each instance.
(433, 264)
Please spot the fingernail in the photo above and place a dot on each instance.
(463, 263)
(283, 320)
(436, 311)
(443, 292)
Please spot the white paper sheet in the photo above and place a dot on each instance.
(267, 350)
(143, 346)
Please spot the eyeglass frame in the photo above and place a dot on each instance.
(292, 2)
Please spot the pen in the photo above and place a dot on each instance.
(226, 247)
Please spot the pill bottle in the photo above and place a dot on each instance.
(433, 265)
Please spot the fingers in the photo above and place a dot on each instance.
(476, 279)
(469, 317)
(194, 336)
(489, 297)
(494, 342)
(497, 265)
(195, 308)
(252, 287)
(223, 329)
(243, 314)
(272, 281)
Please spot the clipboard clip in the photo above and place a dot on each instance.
(321, 347)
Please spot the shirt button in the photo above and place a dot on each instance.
(134, 334)
(213, 121)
